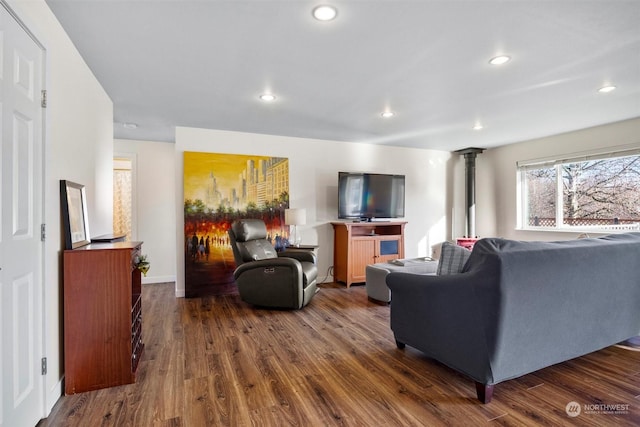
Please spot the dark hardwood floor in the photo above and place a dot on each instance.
(216, 361)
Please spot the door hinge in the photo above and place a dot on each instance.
(44, 365)
(43, 232)
(43, 98)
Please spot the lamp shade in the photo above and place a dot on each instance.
(295, 216)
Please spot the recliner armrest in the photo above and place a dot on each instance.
(299, 254)
(268, 263)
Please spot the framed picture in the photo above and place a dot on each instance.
(75, 222)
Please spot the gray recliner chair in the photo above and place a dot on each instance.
(268, 278)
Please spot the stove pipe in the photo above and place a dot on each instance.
(470, 188)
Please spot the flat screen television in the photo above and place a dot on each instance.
(366, 196)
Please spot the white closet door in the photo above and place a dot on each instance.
(21, 249)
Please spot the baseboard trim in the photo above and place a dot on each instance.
(158, 279)
(53, 395)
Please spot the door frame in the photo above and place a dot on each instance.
(133, 158)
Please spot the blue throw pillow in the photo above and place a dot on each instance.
(452, 259)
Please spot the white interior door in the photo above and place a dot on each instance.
(21, 249)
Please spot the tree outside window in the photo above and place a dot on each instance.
(592, 193)
(541, 201)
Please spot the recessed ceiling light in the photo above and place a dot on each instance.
(267, 97)
(607, 89)
(499, 60)
(478, 126)
(130, 125)
(387, 114)
(325, 12)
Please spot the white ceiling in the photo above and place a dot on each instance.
(204, 63)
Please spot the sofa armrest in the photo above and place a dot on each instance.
(442, 316)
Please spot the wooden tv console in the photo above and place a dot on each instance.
(358, 244)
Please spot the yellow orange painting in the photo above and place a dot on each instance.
(219, 188)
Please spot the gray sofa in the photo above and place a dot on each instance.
(521, 306)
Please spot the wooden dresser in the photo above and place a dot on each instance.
(102, 316)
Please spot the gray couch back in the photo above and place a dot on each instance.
(542, 303)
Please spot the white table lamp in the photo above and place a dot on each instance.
(294, 218)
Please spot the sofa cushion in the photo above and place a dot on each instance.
(452, 259)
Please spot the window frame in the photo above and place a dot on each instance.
(522, 221)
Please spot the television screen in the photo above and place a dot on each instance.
(370, 195)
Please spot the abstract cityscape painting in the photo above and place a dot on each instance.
(219, 188)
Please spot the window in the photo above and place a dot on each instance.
(599, 192)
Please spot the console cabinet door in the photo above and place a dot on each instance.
(388, 249)
(362, 254)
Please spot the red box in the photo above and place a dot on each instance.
(466, 242)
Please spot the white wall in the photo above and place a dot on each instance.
(154, 204)
(496, 175)
(78, 147)
(313, 184)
